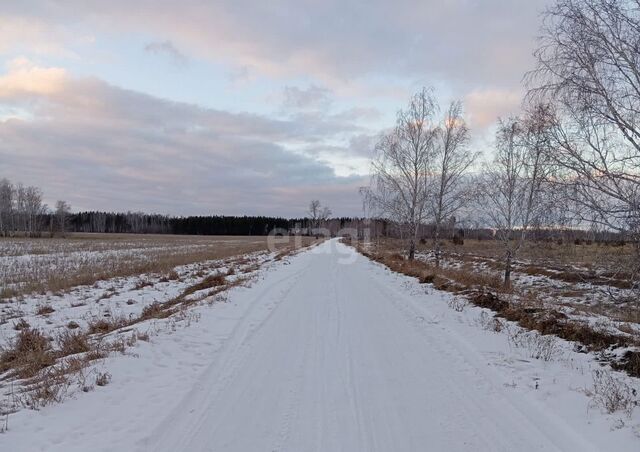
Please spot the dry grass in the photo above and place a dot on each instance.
(73, 342)
(450, 279)
(597, 264)
(548, 253)
(529, 312)
(57, 264)
(207, 283)
(45, 309)
(28, 353)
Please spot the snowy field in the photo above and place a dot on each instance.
(583, 282)
(52, 343)
(327, 350)
(582, 292)
(52, 265)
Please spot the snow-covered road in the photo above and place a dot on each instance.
(342, 364)
(329, 353)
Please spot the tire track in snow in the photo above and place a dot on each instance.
(176, 429)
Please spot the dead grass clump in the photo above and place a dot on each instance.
(72, 325)
(627, 328)
(549, 321)
(103, 378)
(27, 354)
(21, 324)
(45, 309)
(470, 278)
(448, 279)
(142, 283)
(629, 363)
(8, 292)
(103, 326)
(155, 311)
(490, 301)
(72, 342)
(51, 388)
(172, 275)
(207, 283)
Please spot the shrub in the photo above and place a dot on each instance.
(612, 394)
(538, 346)
(103, 378)
(457, 303)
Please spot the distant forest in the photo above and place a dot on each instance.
(23, 212)
(163, 224)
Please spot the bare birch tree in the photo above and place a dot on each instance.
(6, 207)
(62, 216)
(451, 160)
(588, 67)
(34, 209)
(510, 189)
(400, 184)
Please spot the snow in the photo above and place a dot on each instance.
(330, 351)
(598, 304)
(113, 297)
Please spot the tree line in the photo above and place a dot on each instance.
(23, 213)
(22, 210)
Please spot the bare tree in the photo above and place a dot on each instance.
(400, 184)
(588, 68)
(33, 210)
(511, 186)
(6, 207)
(62, 216)
(451, 161)
(318, 214)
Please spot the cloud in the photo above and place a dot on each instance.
(340, 71)
(103, 147)
(312, 98)
(460, 41)
(24, 78)
(167, 48)
(39, 36)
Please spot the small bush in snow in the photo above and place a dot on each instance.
(103, 378)
(457, 304)
(490, 322)
(538, 346)
(613, 394)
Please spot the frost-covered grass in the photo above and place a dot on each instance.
(583, 281)
(601, 317)
(50, 265)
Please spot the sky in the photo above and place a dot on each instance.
(253, 107)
